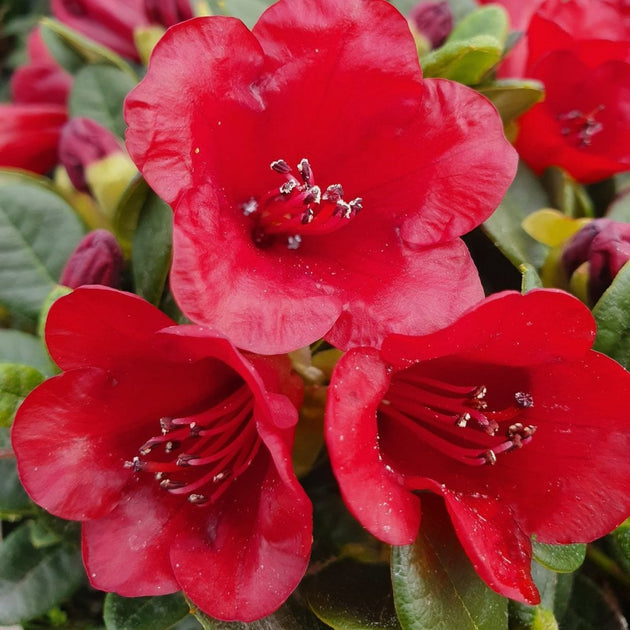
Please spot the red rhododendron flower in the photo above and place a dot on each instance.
(112, 22)
(507, 414)
(175, 452)
(318, 183)
(30, 126)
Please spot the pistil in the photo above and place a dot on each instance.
(200, 455)
(298, 207)
(456, 420)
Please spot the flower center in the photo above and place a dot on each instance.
(579, 127)
(200, 455)
(298, 207)
(455, 420)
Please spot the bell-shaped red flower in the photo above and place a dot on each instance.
(507, 414)
(319, 185)
(174, 451)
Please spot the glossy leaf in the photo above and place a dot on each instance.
(435, 584)
(530, 278)
(559, 558)
(464, 61)
(620, 542)
(14, 502)
(144, 613)
(567, 195)
(513, 97)
(16, 382)
(98, 93)
(590, 608)
(71, 50)
(34, 580)
(524, 196)
(612, 314)
(20, 347)
(489, 20)
(349, 595)
(152, 246)
(290, 616)
(128, 212)
(38, 232)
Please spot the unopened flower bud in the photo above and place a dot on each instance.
(168, 12)
(96, 260)
(83, 142)
(605, 245)
(432, 20)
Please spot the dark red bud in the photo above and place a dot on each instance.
(605, 244)
(83, 141)
(96, 260)
(434, 20)
(168, 12)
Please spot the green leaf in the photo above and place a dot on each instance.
(591, 609)
(290, 616)
(619, 209)
(71, 50)
(128, 212)
(16, 382)
(612, 314)
(459, 8)
(20, 347)
(566, 194)
(14, 502)
(38, 232)
(513, 97)
(559, 558)
(435, 584)
(489, 20)
(144, 613)
(530, 278)
(152, 247)
(98, 92)
(349, 595)
(464, 61)
(33, 580)
(620, 542)
(246, 10)
(504, 228)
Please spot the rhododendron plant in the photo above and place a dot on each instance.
(319, 185)
(175, 452)
(507, 414)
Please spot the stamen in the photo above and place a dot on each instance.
(453, 419)
(280, 166)
(580, 125)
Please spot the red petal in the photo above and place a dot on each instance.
(96, 326)
(505, 329)
(372, 491)
(29, 135)
(127, 551)
(252, 550)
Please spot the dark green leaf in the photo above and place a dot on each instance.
(38, 232)
(16, 382)
(98, 92)
(513, 97)
(349, 595)
(620, 542)
(560, 558)
(20, 347)
(34, 580)
(612, 314)
(144, 613)
(152, 246)
(71, 50)
(524, 196)
(14, 502)
(290, 616)
(566, 194)
(128, 212)
(435, 584)
(590, 608)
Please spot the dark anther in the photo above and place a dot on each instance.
(305, 171)
(185, 458)
(280, 166)
(166, 424)
(197, 499)
(169, 484)
(523, 399)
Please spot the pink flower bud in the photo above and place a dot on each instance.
(83, 141)
(168, 12)
(605, 245)
(433, 20)
(96, 260)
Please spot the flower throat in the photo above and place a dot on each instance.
(298, 207)
(456, 420)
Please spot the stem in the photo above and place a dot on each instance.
(607, 565)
